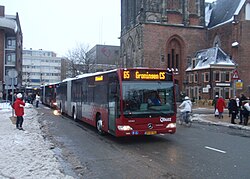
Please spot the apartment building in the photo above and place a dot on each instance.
(11, 45)
(40, 67)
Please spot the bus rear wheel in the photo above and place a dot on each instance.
(99, 125)
(74, 115)
(61, 110)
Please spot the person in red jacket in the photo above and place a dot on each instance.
(18, 106)
(220, 106)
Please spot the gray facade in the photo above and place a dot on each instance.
(40, 67)
(104, 57)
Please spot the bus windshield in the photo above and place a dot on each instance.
(147, 97)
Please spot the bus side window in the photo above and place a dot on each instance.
(113, 88)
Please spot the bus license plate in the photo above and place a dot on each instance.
(150, 132)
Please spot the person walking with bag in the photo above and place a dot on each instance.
(18, 107)
(214, 103)
(220, 106)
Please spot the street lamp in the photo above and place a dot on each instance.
(41, 79)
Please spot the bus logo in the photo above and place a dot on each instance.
(163, 119)
(150, 126)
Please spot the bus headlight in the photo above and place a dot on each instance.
(54, 103)
(171, 125)
(124, 128)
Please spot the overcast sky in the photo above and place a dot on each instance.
(60, 25)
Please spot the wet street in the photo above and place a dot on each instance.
(201, 151)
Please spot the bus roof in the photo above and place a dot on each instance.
(108, 71)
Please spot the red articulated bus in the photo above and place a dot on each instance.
(122, 102)
(48, 94)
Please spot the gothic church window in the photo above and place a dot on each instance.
(174, 54)
(217, 41)
(194, 7)
(248, 11)
(174, 4)
(130, 53)
(154, 6)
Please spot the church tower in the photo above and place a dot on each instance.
(162, 33)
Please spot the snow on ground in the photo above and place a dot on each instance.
(25, 154)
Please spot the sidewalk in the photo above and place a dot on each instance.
(26, 154)
(206, 115)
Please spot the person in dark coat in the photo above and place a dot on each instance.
(242, 98)
(18, 106)
(229, 106)
(234, 110)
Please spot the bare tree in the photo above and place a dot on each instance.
(79, 60)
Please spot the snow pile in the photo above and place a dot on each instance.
(25, 154)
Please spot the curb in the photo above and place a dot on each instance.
(225, 124)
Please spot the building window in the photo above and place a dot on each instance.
(193, 63)
(177, 61)
(227, 93)
(217, 91)
(196, 77)
(217, 76)
(187, 78)
(248, 11)
(10, 59)
(192, 78)
(228, 76)
(11, 43)
(206, 77)
(194, 6)
(173, 54)
(197, 4)
(169, 61)
(173, 4)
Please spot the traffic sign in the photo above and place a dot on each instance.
(239, 85)
(235, 75)
(12, 73)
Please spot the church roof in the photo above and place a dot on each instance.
(224, 10)
(212, 56)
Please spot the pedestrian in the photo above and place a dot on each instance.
(234, 110)
(18, 106)
(37, 100)
(214, 103)
(242, 98)
(246, 111)
(229, 106)
(238, 106)
(220, 106)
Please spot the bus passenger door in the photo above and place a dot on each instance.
(112, 101)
